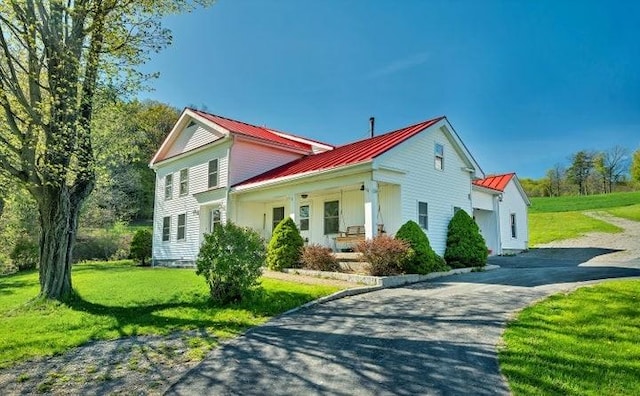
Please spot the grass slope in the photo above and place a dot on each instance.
(118, 300)
(548, 227)
(580, 203)
(627, 212)
(583, 343)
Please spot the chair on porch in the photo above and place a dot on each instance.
(354, 234)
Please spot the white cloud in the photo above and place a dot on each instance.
(399, 65)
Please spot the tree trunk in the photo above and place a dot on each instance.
(58, 221)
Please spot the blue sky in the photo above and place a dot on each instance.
(525, 84)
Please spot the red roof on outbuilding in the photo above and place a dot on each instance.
(495, 182)
(243, 128)
(349, 154)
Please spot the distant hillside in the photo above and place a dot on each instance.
(583, 202)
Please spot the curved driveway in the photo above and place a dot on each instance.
(436, 337)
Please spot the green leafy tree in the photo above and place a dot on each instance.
(285, 246)
(424, 259)
(465, 246)
(582, 164)
(53, 57)
(635, 166)
(230, 259)
(141, 244)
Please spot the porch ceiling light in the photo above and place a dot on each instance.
(362, 187)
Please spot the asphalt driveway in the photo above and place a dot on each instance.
(436, 337)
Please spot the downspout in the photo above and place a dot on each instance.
(496, 210)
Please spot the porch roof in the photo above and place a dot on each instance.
(349, 154)
(495, 182)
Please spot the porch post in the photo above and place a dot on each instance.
(370, 209)
(293, 207)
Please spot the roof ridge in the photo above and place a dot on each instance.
(432, 120)
(231, 119)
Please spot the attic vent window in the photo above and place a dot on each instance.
(191, 123)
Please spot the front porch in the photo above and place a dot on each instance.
(336, 215)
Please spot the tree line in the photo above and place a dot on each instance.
(589, 172)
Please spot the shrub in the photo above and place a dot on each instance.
(102, 244)
(465, 246)
(384, 254)
(424, 259)
(285, 245)
(141, 246)
(318, 257)
(230, 259)
(25, 254)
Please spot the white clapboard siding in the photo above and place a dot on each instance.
(390, 208)
(512, 202)
(249, 159)
(191, 138)
(197, 163)
(441, 189)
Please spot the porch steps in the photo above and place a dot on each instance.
(350, 261)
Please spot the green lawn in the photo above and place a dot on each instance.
(548, 227)
(583, 343)
(628, 212)
(117, 299)
(580, 203)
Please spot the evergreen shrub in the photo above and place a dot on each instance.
(285, 246)
(465, 245)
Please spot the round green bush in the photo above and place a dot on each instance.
(141, 246)
(285, 246)
(25, 254)
(424, 260)
(231, 259)
(465, 246)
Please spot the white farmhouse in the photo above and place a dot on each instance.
(212, 169)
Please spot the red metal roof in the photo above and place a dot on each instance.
(495, 182)
(348, 154)
(243, 128)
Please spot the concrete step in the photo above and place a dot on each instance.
(347, 256)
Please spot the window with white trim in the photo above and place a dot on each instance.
(182, 225)
(514, 228)
(213, 173)
(166, 228)
(168, 186)
(278, 216)
(331, 217)
(423, 215)
(184, 182)
(216, 219)
(438, 152)
(304, 217)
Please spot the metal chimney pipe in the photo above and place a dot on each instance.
(372, 123)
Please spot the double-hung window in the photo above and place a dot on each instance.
(168, 186)
(423, 215)
(182, 225)
(438, 152)
(215, 219)
(166, 228)
(304, 218)
(213, 173)
(184, 182)
(331, 217)
(278, 215)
